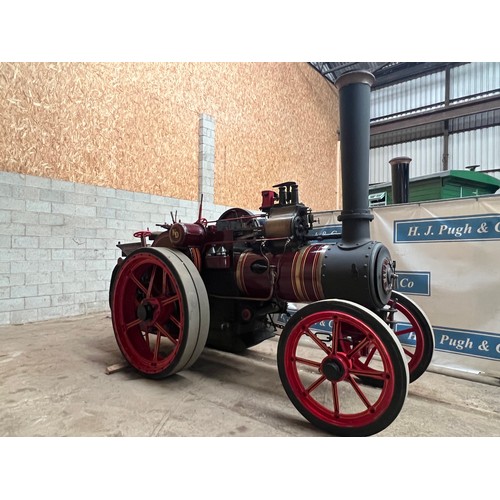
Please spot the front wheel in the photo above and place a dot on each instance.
(414, 330)
(322, 351)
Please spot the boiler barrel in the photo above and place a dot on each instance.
(320, 271)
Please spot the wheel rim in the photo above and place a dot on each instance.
(414, 357)
(406, 319)
(321, 369)
(149, 313)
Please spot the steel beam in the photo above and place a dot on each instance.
(437, 115)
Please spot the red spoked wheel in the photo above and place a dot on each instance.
(160, 311)
(319, 369)
(112, 284)
(414, 330)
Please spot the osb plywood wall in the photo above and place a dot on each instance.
(280, 125)
(134, 126)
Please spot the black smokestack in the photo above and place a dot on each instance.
(400, 172)
(354, 90)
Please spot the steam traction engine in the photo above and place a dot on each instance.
(219, 284)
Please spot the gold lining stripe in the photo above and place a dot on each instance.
(298, 274)
(313, 275)
(314, 263)
(292, 275)
(239, 272)
(303, 273)
(297, 277)
(319, 286)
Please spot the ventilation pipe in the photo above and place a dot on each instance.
(400, 169)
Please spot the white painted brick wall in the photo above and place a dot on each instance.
(58, 240)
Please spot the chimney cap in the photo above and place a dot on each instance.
(400, 159)
(358, 76)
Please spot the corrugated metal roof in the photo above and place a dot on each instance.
(332, 70)
(386, 73)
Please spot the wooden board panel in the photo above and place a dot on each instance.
(134, 126)
(282, 126)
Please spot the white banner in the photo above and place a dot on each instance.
(447, 257)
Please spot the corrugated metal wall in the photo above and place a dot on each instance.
(426, 158)
(474, 78)
(425, 91)
(473, 147)
(476, 147)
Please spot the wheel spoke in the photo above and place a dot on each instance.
(164, 332)
(319, 343)
(175, 321)
(315, 384)
(370, 355)
(157, 347)
(132, 323)
(164, 283)
(369, 372)
(169, 300)
(138, 283)
(361, 345)
(408, 353)
(151, 281)
(359, 392)
(405, 331)
(335, 335)
(335, 397)
(307, 362)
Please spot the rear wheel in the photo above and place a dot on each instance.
(160, 311)
(322, 351)
(112, 284)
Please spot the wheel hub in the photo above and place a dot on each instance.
(335, 368)
(145, 311)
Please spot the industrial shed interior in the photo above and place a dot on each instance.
(201, 249)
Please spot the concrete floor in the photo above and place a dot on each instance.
(53, 382)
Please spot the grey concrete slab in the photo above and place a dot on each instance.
(53, 382)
